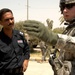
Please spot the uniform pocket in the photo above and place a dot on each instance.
(19, 49)
(5, 53)
(21, 45)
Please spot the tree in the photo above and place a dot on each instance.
(49, 23)
(61, 19)
(59, 30)
(19, 26)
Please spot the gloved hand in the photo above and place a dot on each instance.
(39, 30)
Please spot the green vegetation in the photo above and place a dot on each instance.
(33, 40)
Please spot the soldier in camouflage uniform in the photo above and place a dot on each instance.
(64, 64)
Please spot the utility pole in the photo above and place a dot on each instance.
(27, 9)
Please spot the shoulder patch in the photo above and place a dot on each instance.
(21, 33)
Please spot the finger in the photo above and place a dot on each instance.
(33, 21)
(24, 69)
(31, 29)
(33, 33)
(31, 25)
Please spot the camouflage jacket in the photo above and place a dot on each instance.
(66, 45)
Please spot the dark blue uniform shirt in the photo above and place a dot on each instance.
(13, 51)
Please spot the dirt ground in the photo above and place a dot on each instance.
(36, 68)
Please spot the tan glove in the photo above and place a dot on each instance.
(39, 30)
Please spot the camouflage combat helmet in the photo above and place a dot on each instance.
(68, 4)
(64, 2)
(67, 1)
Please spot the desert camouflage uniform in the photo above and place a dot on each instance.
(65, 62)
(67, 52)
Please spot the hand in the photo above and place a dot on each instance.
(39, 30)
(25, 65)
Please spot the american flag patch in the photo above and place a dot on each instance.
(20, 41)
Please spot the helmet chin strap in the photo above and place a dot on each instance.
(71, 22)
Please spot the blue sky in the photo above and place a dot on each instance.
(38, 9)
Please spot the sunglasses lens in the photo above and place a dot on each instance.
(68, 6)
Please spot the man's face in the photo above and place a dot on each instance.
(68, 12)
(7, 20)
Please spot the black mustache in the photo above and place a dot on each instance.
(10, 24)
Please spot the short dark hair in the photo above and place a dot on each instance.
(3, 11)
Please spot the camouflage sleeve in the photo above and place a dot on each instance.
(66, 44)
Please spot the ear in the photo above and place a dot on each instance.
(0, 22)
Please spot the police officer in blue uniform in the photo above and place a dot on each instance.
(14, 49)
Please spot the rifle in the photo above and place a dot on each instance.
(56, 63)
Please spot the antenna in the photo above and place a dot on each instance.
(27, 9)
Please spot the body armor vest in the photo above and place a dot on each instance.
(66, 54)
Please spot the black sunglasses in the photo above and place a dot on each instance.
(68, 6)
